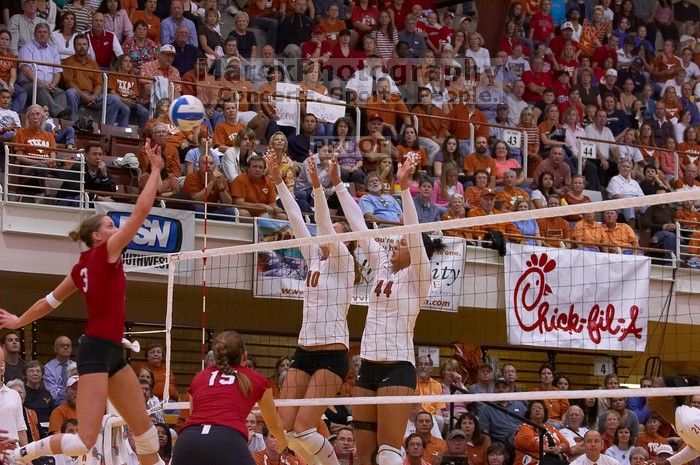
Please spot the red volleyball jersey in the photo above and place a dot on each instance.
(217, 399)
(103, 285)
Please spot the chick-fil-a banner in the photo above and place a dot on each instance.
(576, 299)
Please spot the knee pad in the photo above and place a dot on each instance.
(147, 443)
(72, 445)
(388, 455)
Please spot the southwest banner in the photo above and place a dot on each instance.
(281, 273)
(164, 231)
(576, 299)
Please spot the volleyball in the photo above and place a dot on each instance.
(186, 112)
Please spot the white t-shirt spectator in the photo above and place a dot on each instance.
(605, 134)
(12, 418)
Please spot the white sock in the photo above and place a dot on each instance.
(316, 445)
(388, 455)
(32, 450)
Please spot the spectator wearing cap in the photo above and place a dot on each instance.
(484, 380)
(318, 48)
(168, 27)
(487, 203)
(413, 37)
(567, 35)
(502, 119)
(457, 445)
(161, 66)
(607, 85)
(497, 424)
(21, 26)
(66, 409)
(377, 206)
(104, 45)
(664, 451)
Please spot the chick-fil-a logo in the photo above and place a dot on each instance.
(600, 319)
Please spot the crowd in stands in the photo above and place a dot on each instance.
(623, 73)
(627, 430)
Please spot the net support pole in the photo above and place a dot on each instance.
(203, 318)
(169, 325)
(105, 82)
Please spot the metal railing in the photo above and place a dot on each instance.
(676, 153)
(688, 243)
(44, 178)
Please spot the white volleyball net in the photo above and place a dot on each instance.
(517, 288)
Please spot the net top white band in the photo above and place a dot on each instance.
(484, 397)
(590, 207)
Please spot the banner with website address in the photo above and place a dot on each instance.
(164, 231)
(576, 299)
(281, 273)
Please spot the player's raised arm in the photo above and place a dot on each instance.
(40, 308)
(119, 240)
(419, 257)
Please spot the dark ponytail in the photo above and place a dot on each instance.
(432, 245)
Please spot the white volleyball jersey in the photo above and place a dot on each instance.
(327, 297)
(395, 298)
(329, 283)
(393, 307)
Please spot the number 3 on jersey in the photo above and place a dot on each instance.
(386, 288)
(224, 379)
(83, 274)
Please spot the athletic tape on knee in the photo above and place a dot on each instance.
(388, 455)
(72, 445)
(318, 446)
(147, 443)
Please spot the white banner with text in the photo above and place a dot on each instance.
(281, 273)
(576, 299)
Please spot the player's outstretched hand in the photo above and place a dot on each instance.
(334, 171)
(313, 172)
(405, 170)
(8, 320)
(273, 167)
(154, 157)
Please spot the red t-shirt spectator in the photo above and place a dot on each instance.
(540, 78)
(542, 26)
